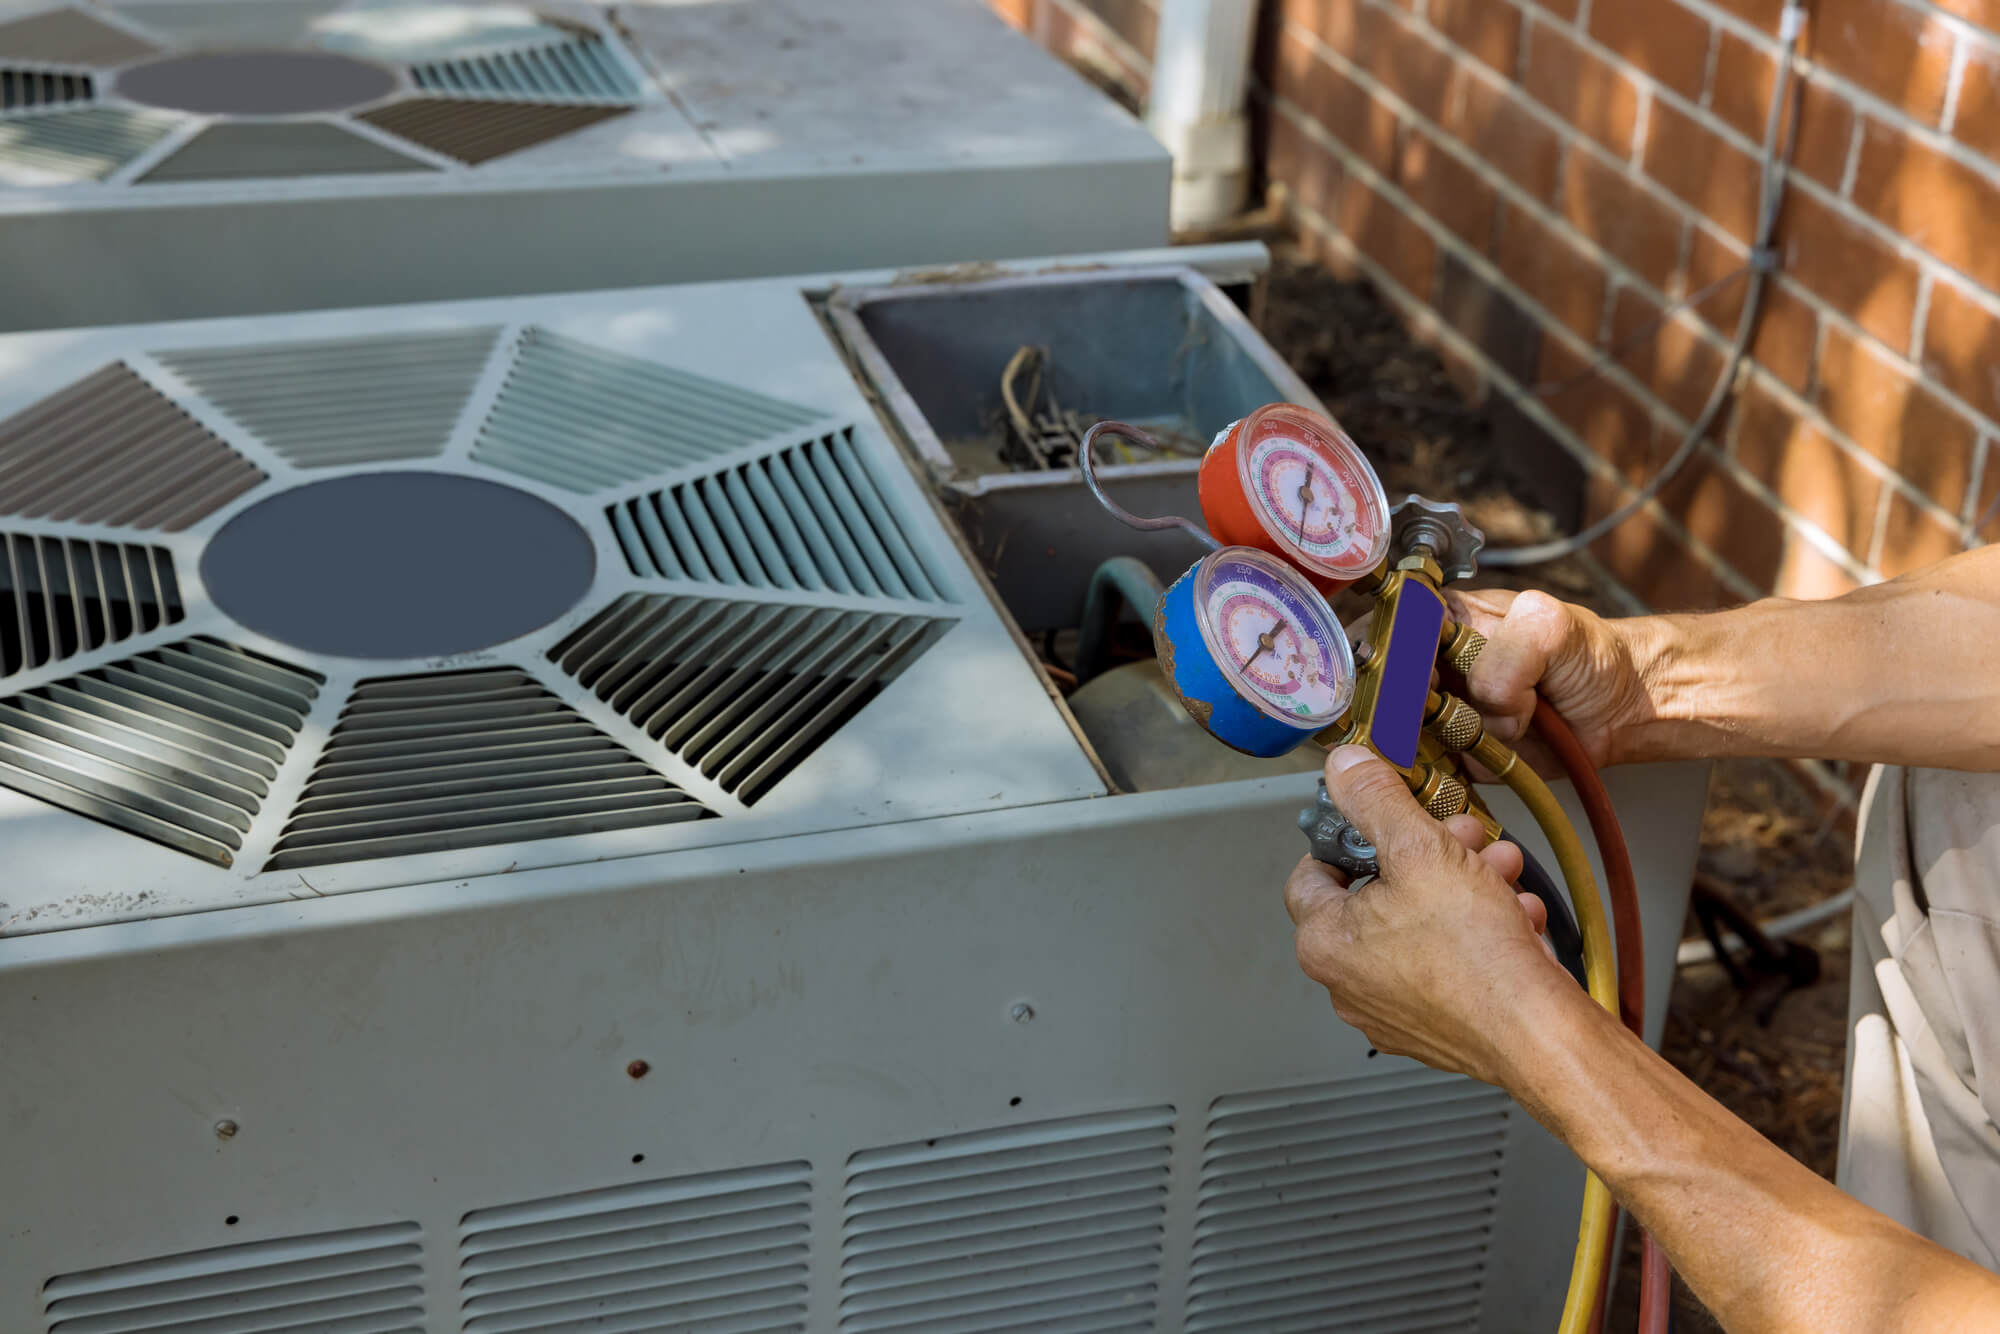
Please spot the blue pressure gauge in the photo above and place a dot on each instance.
(1254, 652)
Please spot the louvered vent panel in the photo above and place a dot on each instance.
(743, 691)
(1055, 1227)
(581, 418)
(363, 1281)
(111, 449)
(178, 745)
(479, 131)
(210, 24)
(722, 1253)
(1364, 1206)
(22, 88)
(583, 70)
(227, 152)
(83, 145)
(467, 759)
(809, 517)
(67, 37)
(343, 401)
(63, 596)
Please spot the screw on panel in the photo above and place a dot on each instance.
(225, 1129)
(1022, 1012)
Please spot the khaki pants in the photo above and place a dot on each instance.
(1918, 1135)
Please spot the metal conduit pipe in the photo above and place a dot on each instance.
(1122, 581)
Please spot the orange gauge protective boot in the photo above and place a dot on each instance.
(1289, 481)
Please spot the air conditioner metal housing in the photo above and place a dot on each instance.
(540, 146)
(933, 1031)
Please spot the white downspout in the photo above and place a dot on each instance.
(1201, 66)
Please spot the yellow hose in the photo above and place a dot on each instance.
(1593, 1234)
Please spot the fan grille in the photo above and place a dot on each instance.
(67, 37)
(583, 70)
(466, 759)
(744, 691)
(253, 150)
(62, 596)
(476, 131)
(21, 88)
(178, 745)
(83, 145)
(808, 517)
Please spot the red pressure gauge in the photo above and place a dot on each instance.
(1288, 481)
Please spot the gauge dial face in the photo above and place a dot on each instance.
(1314, 492)
(1274, 637)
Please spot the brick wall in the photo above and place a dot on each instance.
(1534, 181)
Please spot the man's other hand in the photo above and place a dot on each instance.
(1438, 957)
(1582, 663)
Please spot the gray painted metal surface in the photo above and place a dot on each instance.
(643, 143)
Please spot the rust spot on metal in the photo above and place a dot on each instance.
(638, 1069)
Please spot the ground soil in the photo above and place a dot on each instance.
(1775, 1056)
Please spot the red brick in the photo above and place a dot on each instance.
(1962, 348)
(1741, 96)
(1136, 21)
(1848, 267)
(1308, 172)
(1985, 13)
(1807, 573)
(1551, 270)
(1913, 537)
(1985, 515)
(1758, 13)
(1718, 511)
(1489, 29)
(1620, 214)
(1493, 120)
(1667, 41)
(1565, 10)
(1585, 90)
(1650, 560)
(1976, 123)
(1616, 425)
(1679, 365)
(1348, 26)
(1888, 412)
(1343, 108)
(1410, 67)
(1387, 235)
(1936, 201)
(1787, 328)
(1447, 189)
(1895, 51)
(1703, 168)
(1806, 468)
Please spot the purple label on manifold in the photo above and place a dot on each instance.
(1406, 673)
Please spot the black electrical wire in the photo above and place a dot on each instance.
(1563, 934)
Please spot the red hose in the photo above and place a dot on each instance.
(1656, 1278)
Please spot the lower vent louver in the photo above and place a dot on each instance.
(722, 1253)
(61, 596)
(807, 517)
(363, 1281)
(743, 691)
(178, 745)
(466, 759)
(1365, 1206)
(1056, 1227)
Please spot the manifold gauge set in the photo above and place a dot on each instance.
(1294, 513)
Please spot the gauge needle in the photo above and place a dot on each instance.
(1305, 504)
(1265, 642)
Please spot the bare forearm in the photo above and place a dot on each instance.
(1906, 672)
(1767, 1244)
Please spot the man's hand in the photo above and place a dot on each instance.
(1583, 663)
(1438, 957)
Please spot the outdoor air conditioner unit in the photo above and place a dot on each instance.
(521, 815)
(170, 159)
